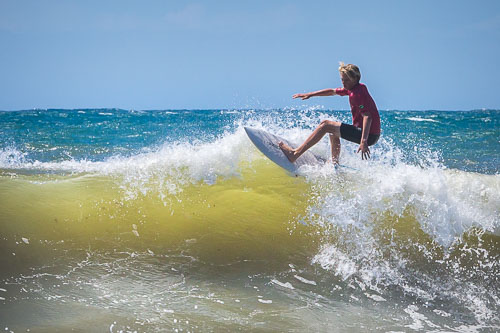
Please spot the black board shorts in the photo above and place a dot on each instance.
(353, 134)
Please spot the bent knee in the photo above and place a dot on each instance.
(330, 123)
(329, 126)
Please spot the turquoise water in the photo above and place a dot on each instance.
(118, 220)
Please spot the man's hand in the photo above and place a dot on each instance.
(302, 96)
(365, 151)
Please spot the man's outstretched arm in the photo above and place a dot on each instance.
(324, 92)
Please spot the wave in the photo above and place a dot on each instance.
(381, 228)
(446, 202)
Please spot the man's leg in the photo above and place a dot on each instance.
(335, 145)
(326, 126)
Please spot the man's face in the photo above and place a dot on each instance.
(347, 82)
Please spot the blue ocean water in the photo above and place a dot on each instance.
(128, 220)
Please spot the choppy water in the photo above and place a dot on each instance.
(115, 220)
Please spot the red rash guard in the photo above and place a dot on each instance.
(361, 102)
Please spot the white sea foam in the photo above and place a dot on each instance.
(446, 203)
(303, 280)
(11, 158)
(332, 259)
(376, 298)
(287, 285)
(422, 119)
(186, 162)
(265, 301)
(419, 320)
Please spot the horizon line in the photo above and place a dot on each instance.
(239, 109)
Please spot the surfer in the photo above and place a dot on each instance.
(365, 128)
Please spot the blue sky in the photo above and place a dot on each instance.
(247, 54)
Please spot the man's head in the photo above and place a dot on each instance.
(349, 74)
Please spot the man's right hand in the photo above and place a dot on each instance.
(302, 96)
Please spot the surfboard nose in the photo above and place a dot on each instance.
(252, 134)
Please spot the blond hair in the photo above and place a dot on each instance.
(352, 71)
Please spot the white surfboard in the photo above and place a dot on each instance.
(267, 143)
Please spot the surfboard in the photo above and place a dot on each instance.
(267, 143)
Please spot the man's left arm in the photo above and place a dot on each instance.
(363, 146)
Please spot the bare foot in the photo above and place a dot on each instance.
(288, 151)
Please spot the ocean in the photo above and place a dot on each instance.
(172, 221)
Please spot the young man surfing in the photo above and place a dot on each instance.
(365, 128)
